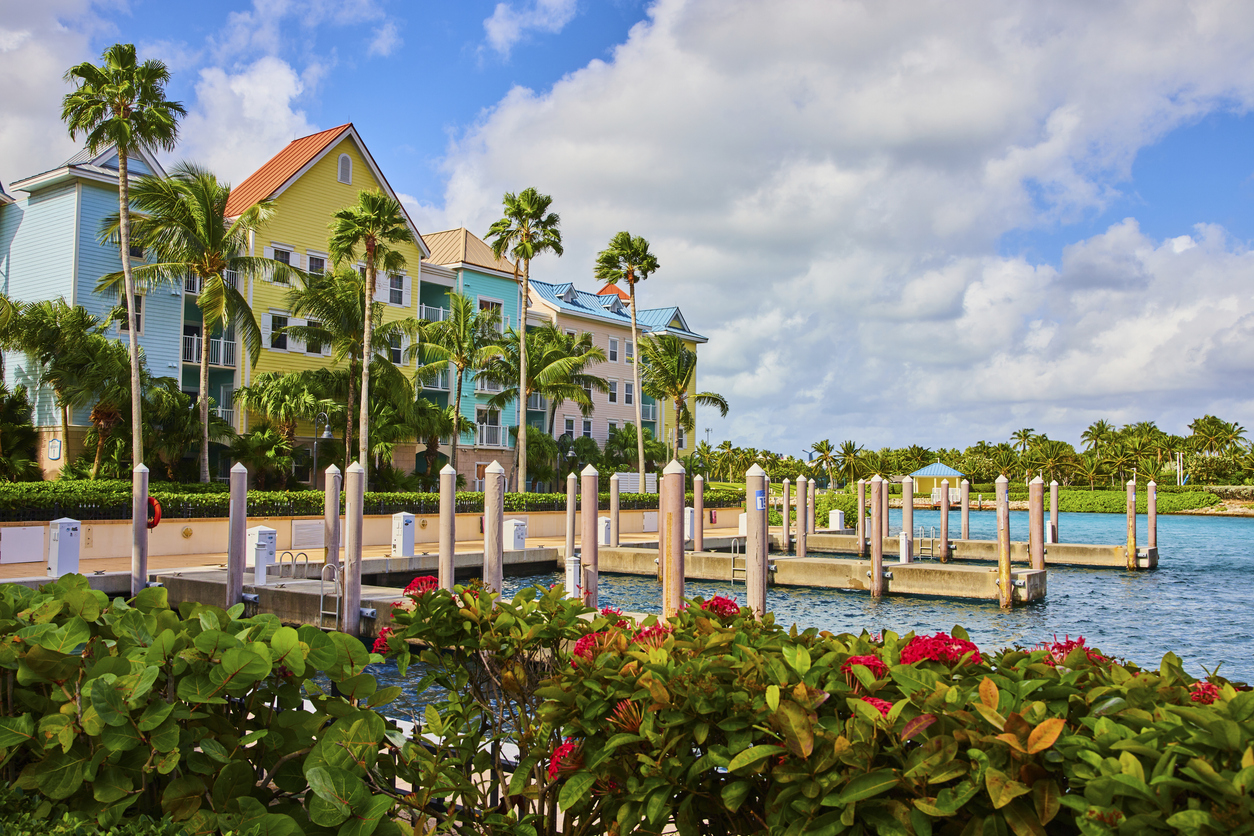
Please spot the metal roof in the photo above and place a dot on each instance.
(936, 470)
(461, 246)
(266, 180)
(567, 298)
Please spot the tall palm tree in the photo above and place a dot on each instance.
(527, 230)
(670, 368)
(105, 382)
(848, 461)
(1098, 435)
(468, 340)
(1023, 438)
(629, 260)
(373, 228)
(182, 224)
(122, 104)
(824, 457)
(576, 389)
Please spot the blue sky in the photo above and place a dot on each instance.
(896, 223)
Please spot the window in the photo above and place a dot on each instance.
(587, 428)
(613, 391)
(627, 393)
(136, 251)
(679, 438)
(285, 257)
(587, 390)
(317, 264)
(139, 317)
(396, 290)
(613, 427)
(631, 352)
(313, 345)
(396, 350)
(570, 332)
(570, 427)
(493, 305)
(613, 352)
(344, 172)
(278, 336)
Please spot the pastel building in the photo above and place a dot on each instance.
(607, 317)
(50, 248)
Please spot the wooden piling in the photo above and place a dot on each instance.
(448, 525)
(237, 536)
(966, 509)
(860, 522)
(331, 514)
(494, 527)
(671, 536)
(884, 494)
(354, 507)
(1132, 524)
(787, 527)
(907, 517)
(698, 513)
(588, 549)
(1004, 589)
(1053, 511)
(614, 510)
(755, 564)
(812, 505)
(944, 521)
(139, 529)
(572, 483)
(1151, 507)
(1036, 523)
(803, 536)
(877, 541)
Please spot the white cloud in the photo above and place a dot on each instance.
(826, 185)
(386, 40)
(509, 25)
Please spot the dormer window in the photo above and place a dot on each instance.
(345, 171)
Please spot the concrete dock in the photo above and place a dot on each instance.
(1057, 554)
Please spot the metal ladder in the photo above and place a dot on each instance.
(740, 571)
(926, 545)
(292, 564)
(323, 612)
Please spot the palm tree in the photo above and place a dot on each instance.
(527, 230)
(467, 339)
(374, 227)
(265, 452)
(106, 381)
(1097, 435)
(182, 224)
(1088, 467)
(849, 461)
(577, 387)
(670, 368)
(628, 259)
(1022, 438)
(19, 440)
(824, 457)
(122, 104)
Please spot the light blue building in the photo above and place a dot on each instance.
(50, 248)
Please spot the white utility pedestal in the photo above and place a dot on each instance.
(689, 520)
(744, 525)
(262, 542)
(515, 535)
(603, 531)
(403, 534)
(63, 542)
(903, 548)
(836, 520)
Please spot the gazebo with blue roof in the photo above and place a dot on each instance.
(928, 479)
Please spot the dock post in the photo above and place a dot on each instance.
(139, 528)
(966, 509)
(1151, 507)
(590, 500)
(877, 538)
(1132, 523)
(944, 521)
(907, 517)
(886, 487)
(755, 565)
(698, 513)
(671, 536)
(814, 493)
(803, 537)
(354, 508)
(494, 526)
(1053, 511)
(614, 510)
(861, 520)
(1036, 523)
(787, 527)
(1005, 592)
(572, 483)
(331, 515)
(237, 536)
(448, 525)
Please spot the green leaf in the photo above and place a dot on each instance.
(772, 697)
(384, 696)
(120, 738)
(797, 657)
(60, 774)
(911, 679)
(752, 755)
(68, 638)
(322, 651)
(108, 701)
(199, 688)
(213, 643)
(366, 816)
(182, 797)
(575, 789)
(358, 687)
(152, 598)
(1192, 821)
(215, 750)
(233, 780)
(154, 715)
(735, 793)
(339, 791)
(794, 722)
(16, 730)
(111, 784)
(165, 738)
(862, 787)
(1002, 789)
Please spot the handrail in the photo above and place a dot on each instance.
(323, 612)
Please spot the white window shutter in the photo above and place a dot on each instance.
(326, 349)
(295, 260)
(408, 283)
(294, 344)
(381, 288)
(268, 274)
(265, 330)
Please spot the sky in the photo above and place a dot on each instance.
(897, 223)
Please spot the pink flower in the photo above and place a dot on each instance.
(381, 642)
(884, 706)
(1204, 692)
(422, 585)
(611, 612)
(586, 647)
(653, 636)
(872, 663)
(565, 758)
(942, 648)
(1060, 650)
(722, 606)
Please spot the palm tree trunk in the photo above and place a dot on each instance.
(65, 432)
(635, 373)
(204, 401)
(348, 426)
(124, 234)
(520, 472)
(457, 414)
(363, 442)
(100, 440)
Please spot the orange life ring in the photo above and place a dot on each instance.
(154, 512)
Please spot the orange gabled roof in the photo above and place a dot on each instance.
(266, 180)
(614, 289)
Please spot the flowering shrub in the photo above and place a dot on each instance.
(943, 648)
(651, 636)
(722, 606)
(1058, 651)
(381, 641)
(566, 758)
(586, 647)
(1204, 692)
(615, 616)
(872, 663)
(422, 585)
(883, 706)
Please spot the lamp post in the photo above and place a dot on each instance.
(326, 435)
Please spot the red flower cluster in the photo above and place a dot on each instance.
(883, 706)
(565, 758)
(1204, 692)
(1059, 650)
(872, 663)
(939, 648)
(652, 636)
(610, 612)
(721, 605)
(422, 585)
(585, 648)
(381, 641)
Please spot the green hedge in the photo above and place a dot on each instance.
(111, 500)
(30, 814)
(1110, 502)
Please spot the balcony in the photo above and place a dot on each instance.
(226, 413)
(538, 403)
(193, 284)
(648, 412)
(486, 386)
(221, 352)
(490, 436)
(430, 314)
(439, 383)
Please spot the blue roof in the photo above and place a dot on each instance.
(936, 470)
(611, 309)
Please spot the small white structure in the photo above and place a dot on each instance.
(689, 522)
(403, 534)
(903, 547)
(743, 529)
(836, 519)
(603, 531)
(630, 483)
(515, 535)
(649, 521)
(63, 543)
(262, 544)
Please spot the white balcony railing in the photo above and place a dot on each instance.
(221, 352)
(431, 314)
(490, 436)
(439, 383)
(193, 284)
(537, 402)
(226, 413)
(648, 412)
(482, 385)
